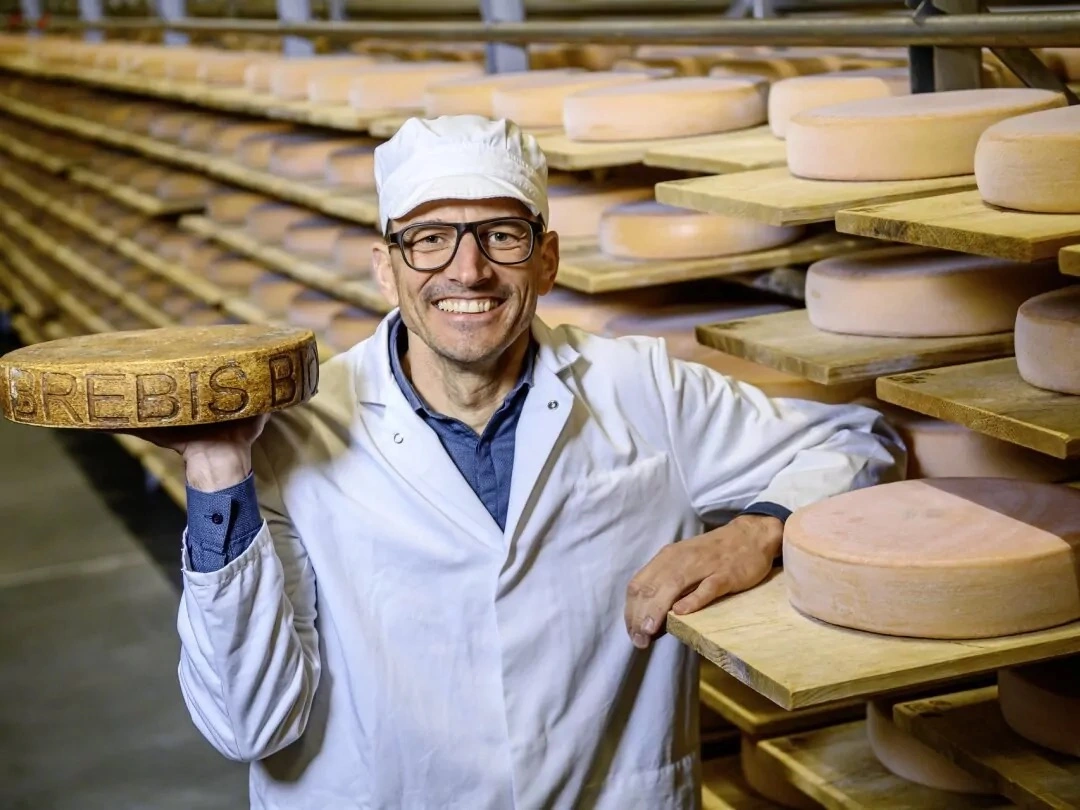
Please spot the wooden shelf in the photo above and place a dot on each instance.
(360, 292)
(1069, 260)
(969, 729)
(386, 127)
(963, 222)
(133, 198)
(836, 767)
(775, 197)
(723, 787)
(745, 150)
(991, 398)
(788, 342)
(796, 661)
(590, 271)
(26, 329)
(30, 154)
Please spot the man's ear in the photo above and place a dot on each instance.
(383, 268)
(549, 262)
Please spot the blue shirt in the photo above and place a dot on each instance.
(221, 525)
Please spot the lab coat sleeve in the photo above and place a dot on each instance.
(735, 446)
(249, 659)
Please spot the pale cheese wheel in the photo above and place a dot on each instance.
(289, 80)
(1042, 703)
(789, 97)
(665, 108)
(257, 74)
(352, 252)
(475, 95)
(183, 186)
(229, 138)
(176, 247)
(938, 558)
(199, 256)
(766, 778)
(1063, 61)
(779, 65)
(231, 206)
(652, 230)
(350, 327)
(351, 168)
(171, 127)
(306, 159)
(393, 87)
(147, 178)
(1048, 340)
(155, 290)
(201, 135)
(1032, 162)
(314, 310)
(228, 69)
(312, 238)
(234, 272)
(930, 135)
(537, 101)
(257, 151)
(914, 292)
(576, 210)
(910, 759)
(269, 221)
(186, 68)
(274, 294)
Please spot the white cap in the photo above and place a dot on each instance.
(458, 157)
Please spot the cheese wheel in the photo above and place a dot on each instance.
(537, 101)
(268, 222)
(257, 151)
(929, 134)
(475, 95)
(906, 757)
(273, 294)
(576, 210)
(913, 292)
(780, 65)
(155, 290)
(391, 87)
(178, 304)
(1032, 162)
(312, 238)
(186, 67)
(229, 138)
(665, 108)
(231, 206)
(289, 80)
(184, 186)
(351, 255)
(766, 778)
(160, 377)
(171, 127)
(146, 179)
(789, 97)
(177, 246)
(351, 168)
(1048, 340)
(199, 135)
(1063, 61)
(228, 69)
(234, 272)
(349, 327)
(1042, 703)
(306, 159)
(652, 230)
(257, 75)
(938, 558)
(314, 310)
(201, 254)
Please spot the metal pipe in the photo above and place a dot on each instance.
(1023, 30)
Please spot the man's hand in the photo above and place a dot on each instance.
(688, 575)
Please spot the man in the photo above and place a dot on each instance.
(452, 589)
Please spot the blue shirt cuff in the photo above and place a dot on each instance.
(768, 509)
(221, 525)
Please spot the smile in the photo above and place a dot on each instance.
(467, 305)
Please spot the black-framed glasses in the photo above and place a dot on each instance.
(430, 246)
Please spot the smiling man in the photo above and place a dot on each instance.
(443, 583)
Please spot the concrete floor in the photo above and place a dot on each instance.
(90, 710)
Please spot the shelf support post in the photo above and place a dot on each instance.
(503, 57)
(171, 11)
(296, 11)
(91, 11)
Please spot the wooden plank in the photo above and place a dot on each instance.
(1069, 261)
(796, 661)
(991, 398)
(133, 198)
(386, 127)
(53, 164)
(787, 341)
(836, 767)
(740, 151)
(723, 787)
(963, 222)
(361, 292)
(26, 328)
(775, 197)
(591, 271)
(569, 155)
(969, 729)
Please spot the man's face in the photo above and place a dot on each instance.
(505, 294)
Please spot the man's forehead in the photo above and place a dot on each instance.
(464, 210)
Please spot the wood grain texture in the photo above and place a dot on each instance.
(963, 222)
(836, 767)
(133, 198)
(990, 397)
(775, 197)
(27, 153)
(796, 661)
(969, 729)
(591, 271)
(745, 150)
(723, 787)
(787, 341)
(1069, 261)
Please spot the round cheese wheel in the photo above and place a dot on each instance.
(930, 134)
(537, 101)
(160, 377)
(147, 178)
(789, 97)
(178, 304)
(1042, 703)
(576, 210)
(155, 290)
(306, 159)
(177, 246)
(186, 68)
(229, 138)
(273, 294)
(349, 327)
(314, 310)
(201, 135)
(257, 75)
(231, 206)
(171, 127)
(1032, 162)
(665, 108)
(257, 151)
(910, 759)
(234, 272)
(402, 86)
(912, 292)
(1063, 61)
(289, 80)
(475, 95)
(938, 558)
(184, 186)
(268, 222)
(652, 230)
(767, 778)
(352, 168)
(201, 254)
(351, 255)
(312, 238)
(1048, 340)
(780, 64)
(228, 69)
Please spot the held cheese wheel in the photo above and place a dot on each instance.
(788, 97)
(231, 206)
(314, 310)
(652, 230)
(1041, 703)
(537, 101)
(665, 108)
(1032, 162)
(575, 210)
(159, 377)
(767, 779)
(351, 168)
(929, 134)
(938, 558)
(913, 292)
(307, 159)
(351, 256)
(1048, 340)
(348, 328)
(475, 95)
(229, 138)
(268, 222)
(906, 757)
(274, 294)
(289, 80)
(312, 238)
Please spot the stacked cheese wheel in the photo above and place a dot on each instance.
(349, 327)
(386, 87)
(536, 101)
(475, 95)
(1048, 340)
(789, 97)
(1042, 703)
(307, 158)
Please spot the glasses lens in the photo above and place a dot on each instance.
(506, 241)
(428, 247)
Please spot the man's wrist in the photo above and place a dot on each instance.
(217, 470)
(767, 531)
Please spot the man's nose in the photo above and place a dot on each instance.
(470, 266)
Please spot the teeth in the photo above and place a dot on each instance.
(467, 304)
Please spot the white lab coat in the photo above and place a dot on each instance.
(383, 645)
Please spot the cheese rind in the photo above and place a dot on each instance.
(354, 168)
(930, 135)
(312, 238)
(234, 272)
(1048, 340)
(269, 222)
(273, 294)
(351, 255)
(1041, 703)
(474, 95)
(768, 780)
(306, 159)
(1032, 162)
(537, 101)
(349, 327)
(789, 97)
(938, 558)
(228, 139)
(289, 80)
(575, 210)
(392, 86)
(913, 292)
(314, 310)
(231, 206)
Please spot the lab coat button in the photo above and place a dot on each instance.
(398, 438)
(552, 405)
(217, 518)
